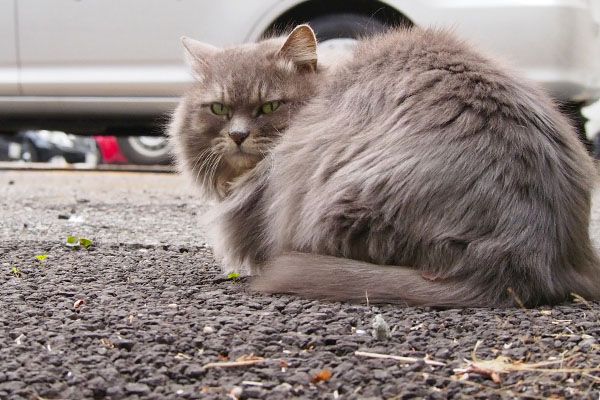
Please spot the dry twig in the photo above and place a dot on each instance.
(240, 362)
(399, 358)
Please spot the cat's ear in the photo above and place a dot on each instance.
(301, 48)
(197, 55)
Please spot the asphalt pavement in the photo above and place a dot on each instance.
(143, 313)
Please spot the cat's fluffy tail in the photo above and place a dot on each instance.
(340, 279)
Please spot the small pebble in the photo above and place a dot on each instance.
(381, 330)
(236, 392)
(442, 353)
(208, 329)
(283, 387)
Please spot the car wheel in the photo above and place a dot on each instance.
(145, 150)
(345, 26)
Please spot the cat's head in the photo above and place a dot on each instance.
(242, 102)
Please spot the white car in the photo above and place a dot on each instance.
(115, 67)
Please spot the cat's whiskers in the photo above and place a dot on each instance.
(206, 160)
(206, 167)
(213, 170)
(198, 158)
(196, 162)
(201, 167)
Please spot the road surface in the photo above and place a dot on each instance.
(143, 313)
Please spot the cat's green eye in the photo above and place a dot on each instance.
(219, 109)
(270, 107)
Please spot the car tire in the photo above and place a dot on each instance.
(145, 150)
(337, 35)
(345, 26)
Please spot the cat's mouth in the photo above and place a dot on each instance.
(239, 151)
(242, 151)
(242, 158)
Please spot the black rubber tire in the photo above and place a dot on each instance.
(136, 152)
(351, 26)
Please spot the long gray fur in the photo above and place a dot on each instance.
(420, 172)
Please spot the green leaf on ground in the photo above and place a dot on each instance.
(42, 257)
(73, 241)
(233, 276)
(16, 272)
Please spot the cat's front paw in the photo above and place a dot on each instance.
(244, 267)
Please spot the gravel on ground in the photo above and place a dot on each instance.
(144, 313)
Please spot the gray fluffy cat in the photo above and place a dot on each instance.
(418, 172)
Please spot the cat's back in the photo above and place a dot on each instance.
(407, 73)
(409, 92)
(423, 96)
(423, 143)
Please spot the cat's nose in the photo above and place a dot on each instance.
(239, 136)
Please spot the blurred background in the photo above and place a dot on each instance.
(90, 83)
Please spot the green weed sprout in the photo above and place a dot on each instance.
(75, 242)
(234, 276)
